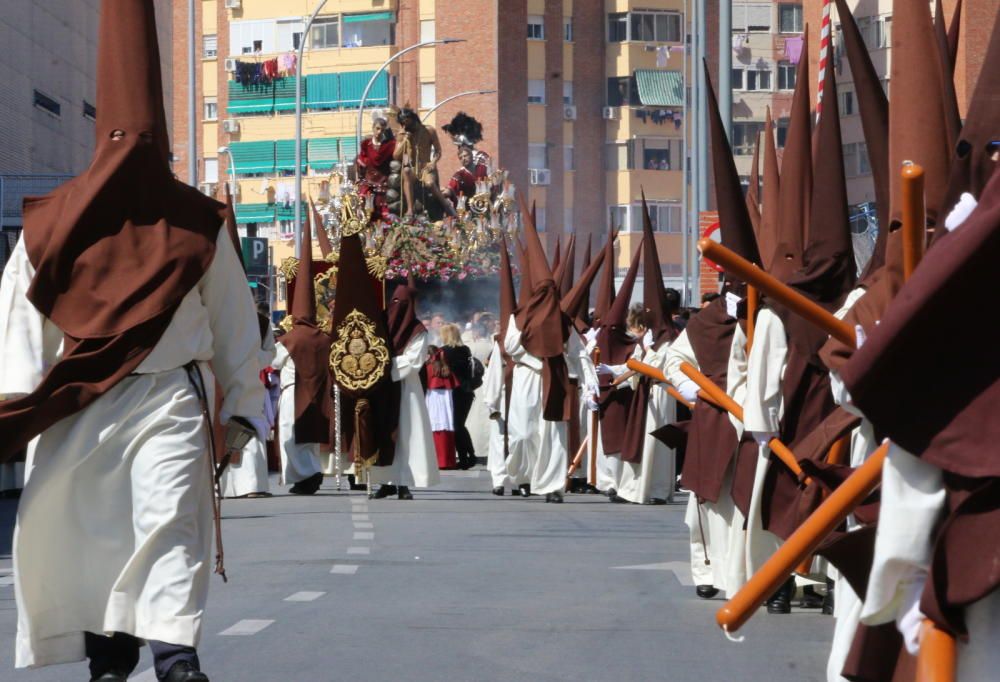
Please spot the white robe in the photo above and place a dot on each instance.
(653, 476)
(609, 467)
(715, 529)
(299, 461)
(493, 396)
(415, 461)
(538, 447)
(122, 490)
(250, 474)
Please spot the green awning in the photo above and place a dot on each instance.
(323, 91)
(255, 99)
(284, 154)
(660, 88)
(323, 154)
(284, 94)
(373, 16)
(349, 148)
(352, 86)
(254, 213)
(283, 212)
(253, 157)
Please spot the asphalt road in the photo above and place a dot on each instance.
(461, 585)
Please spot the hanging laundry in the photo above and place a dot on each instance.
(739, 42)
(793, 49)
(662, 56)
(287, 64)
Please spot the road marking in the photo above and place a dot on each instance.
(305, 596)
(680, 569)
(364, 536)
(359, 550)
(359, 517)
(245, 628)
(344, 569)
(363, 524)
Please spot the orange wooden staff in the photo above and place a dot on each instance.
(594, 428)
(914, 217)
(938, 656)
(802, 543)
(753, 302)
(656, 375)
(575, 464)
(722, 399)
(780, 292)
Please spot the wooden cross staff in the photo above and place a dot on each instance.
(655, 374)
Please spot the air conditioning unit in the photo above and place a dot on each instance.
(569, 112)
(208, 188)
(234, 4)
(539, 176)
(610, 113)
(230, 64)
(231, 125)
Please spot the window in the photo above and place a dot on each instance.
(211, 170)
(619, 156)
(211, 109)
(758, 79)
(664, 217)
(89, 111)
(428, 95)
(618, 27)
(790, 18)
(781, 132)
(752, 18)
(289, 35)
(46, 103)
(876, 31)
(846, 102)
(786, 76)
(569, 162)
(567, 92)
(619, 216)
(745, 136)
(851, 160)
(365, 30)
(209, 46)
(540, 221)
(247, 37)
(325, 33)
(536, 27)
(737, 79)
(623, 92)
(427, 30)
(864, 168)
(646, 153)
(568, 29)
(538, 156)
(536, 92)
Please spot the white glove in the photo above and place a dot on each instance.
(608, 369)
(963, 209)
(859, 335)
(647, 339)
(763, 437)
(909, 619)
(732, 304)
(591, 395)
(689, 390)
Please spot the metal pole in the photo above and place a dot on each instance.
(385, 65)
(685, 186)
(192, 115)
(298, 129)
(726, 66)
(453, 97)
(702, 142)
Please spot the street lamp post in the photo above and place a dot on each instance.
(232, 170)
(298, 128)
(385, 65)
(453, 97)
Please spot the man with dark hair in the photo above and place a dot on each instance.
(418, 150)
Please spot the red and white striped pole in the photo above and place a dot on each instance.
(824, 54)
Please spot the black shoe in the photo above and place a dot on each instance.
(655, 501)
(828, 599)
(781, 602)
(556, 497)
(525, 489)
(110, 677)
(352, 482)
(404, 493)
(307, 486)
(385, 490)
(617, 499)
(706, 591)
(810, 600)
(612, 492)
(498, 491)
(183, 671)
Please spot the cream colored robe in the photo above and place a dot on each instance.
(715, 528)
(299, 461)
(493, 394)
(121, 491)
(415, 461)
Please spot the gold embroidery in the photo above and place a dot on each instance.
(289, 268)
(359, 358)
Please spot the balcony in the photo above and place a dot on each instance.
(627, 186)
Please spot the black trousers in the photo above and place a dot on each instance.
(462, 401)
(120, 653)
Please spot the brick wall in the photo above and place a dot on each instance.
(590, 214)
(512, 84)
(407, 68)
(554, 197)
(708, 277)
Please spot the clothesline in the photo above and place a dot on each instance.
(265, 72)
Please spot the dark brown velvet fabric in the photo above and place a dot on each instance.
(402, 320)
(876, 654)
(563, 276)
(606, 287)
(753, 191)
(574, 303)
(767, 235)
(322, 238)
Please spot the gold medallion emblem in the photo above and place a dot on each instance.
(359, 358)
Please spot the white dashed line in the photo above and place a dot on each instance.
(363, 524)
(245, 628)
(305, 596)
(359, 550)
(344, 569)
(359, 517)
(364, 536)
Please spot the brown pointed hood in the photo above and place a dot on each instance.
(953, 32)
(659, 308)
(557, 256)
(401, 315)
(767, 236)
(796, 177)
(952, 116)
(606, 285)
(588, 255)
(734, 219)
(524, 293)
(508, 299)
(231, 227)
(753, 189)
(917, 117)
(545, 329)
(574, 303)
(873, 106)
(322, 238)
(613, 338)
(116, 249)
(564, 273)
(304, 302)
